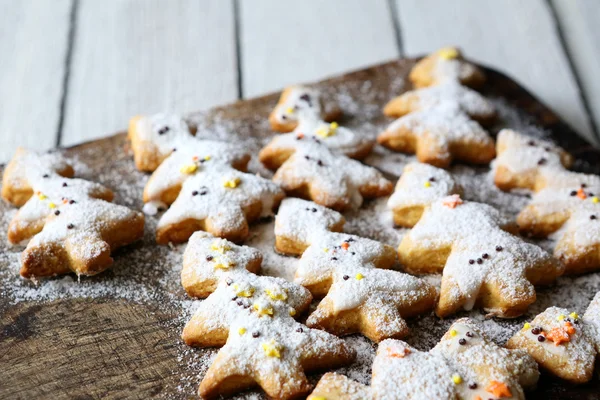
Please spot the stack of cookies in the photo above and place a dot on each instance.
(268, 333)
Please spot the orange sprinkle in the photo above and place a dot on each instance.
(581, 194)
(345, 245)
(300, 135)
(452, 201)
(398, 353)
(569, 328)
(498, 389)
(558, 336)
(195, 158)
(65, 201)
(477, 398)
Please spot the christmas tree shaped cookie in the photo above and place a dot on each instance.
(446, 65)
(483, 266)
(70, 223)
(561, 342)
(332, 180)
(252, 317)
(464, 365)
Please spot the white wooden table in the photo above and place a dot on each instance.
(75, 70)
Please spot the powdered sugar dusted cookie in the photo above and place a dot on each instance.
(300, 222)
(483, 266)
(207, 258)
(558, 340)
(360, 297)
(446, 64)
(438, 135)
(469, 101)
(301, 101)
(252, 317)
(332, 180)
(333, 386)
(464, 365)
(418, 187)
(310, 129)
(568, 209)
(72, 225)
(522, 160)
(220, 200)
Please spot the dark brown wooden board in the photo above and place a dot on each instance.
(112, 346)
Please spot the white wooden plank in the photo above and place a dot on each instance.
(580, 23)
(33, 46)
(291, 41)
(514, 36)
(144, 56)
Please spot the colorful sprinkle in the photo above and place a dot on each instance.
(448, 53)
(359, 276)
(560, 317)
(51, 205)
(272, 349)
(276, 296)
(245, 293)
(263, 310)
(595, 200)
(456, 379)
(345, 245)
(581, 194)
(427, 184)
(220, 245)
(232, 183)
(292, 312)
(574, 315)
(189, 169)
(498, 389)
(241, 331)
(42, 196)
(398, 352)
(452, 201)
(453, 332)
(527, 325)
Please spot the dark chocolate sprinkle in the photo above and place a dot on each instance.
(70, 226)
(469, 334)
(334, 258)
(541, 338)
(593, 216)
(485, 255)
(542, 161)
(473, 386)
(479, 261)
(255, 334)
(314, 210)
(462, 341)
(57, 212)
(71, 201)
(471, 261)
(573, 193)
(64, 184)
(536, 331)
(209, 258)
(195, 193)
(46, 176)
(300, 330)
(345, 277)
(498, 248)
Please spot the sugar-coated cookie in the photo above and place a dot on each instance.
(439, 135)
(252, 317)
(419, 186)
(568, 209)
(219, 200)
(446, 64)
(333, 180)
(465, 364)
(469, 101)
(558, 339)
(70, 223)
(299, 222)
(301, 101)
(360, 297)
(309, 129)
(333, 386)
(483, 266)
(522, 160)
(592, 321)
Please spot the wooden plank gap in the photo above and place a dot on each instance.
(238, 48)
(396, 26)
(67, 70)
(578, 81)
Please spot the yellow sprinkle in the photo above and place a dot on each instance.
(574, 315)
(456, 379)
(189, 169)
(272, 349)
(232, 183)
(292, 312)
(359, 276)
(595, 200)
(427, 184)
(245, 293)
(275, 295)
(51, 205)
(241, 331)
(220, 245)
(220, 264)
(289, 110)
(316, 398)
(325, 249)
(206, 158)
(263, 311)
(453, 332)
(527, 325)
(42, 196)
(448, 53)
(560, 317)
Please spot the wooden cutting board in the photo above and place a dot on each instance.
(116, 335)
